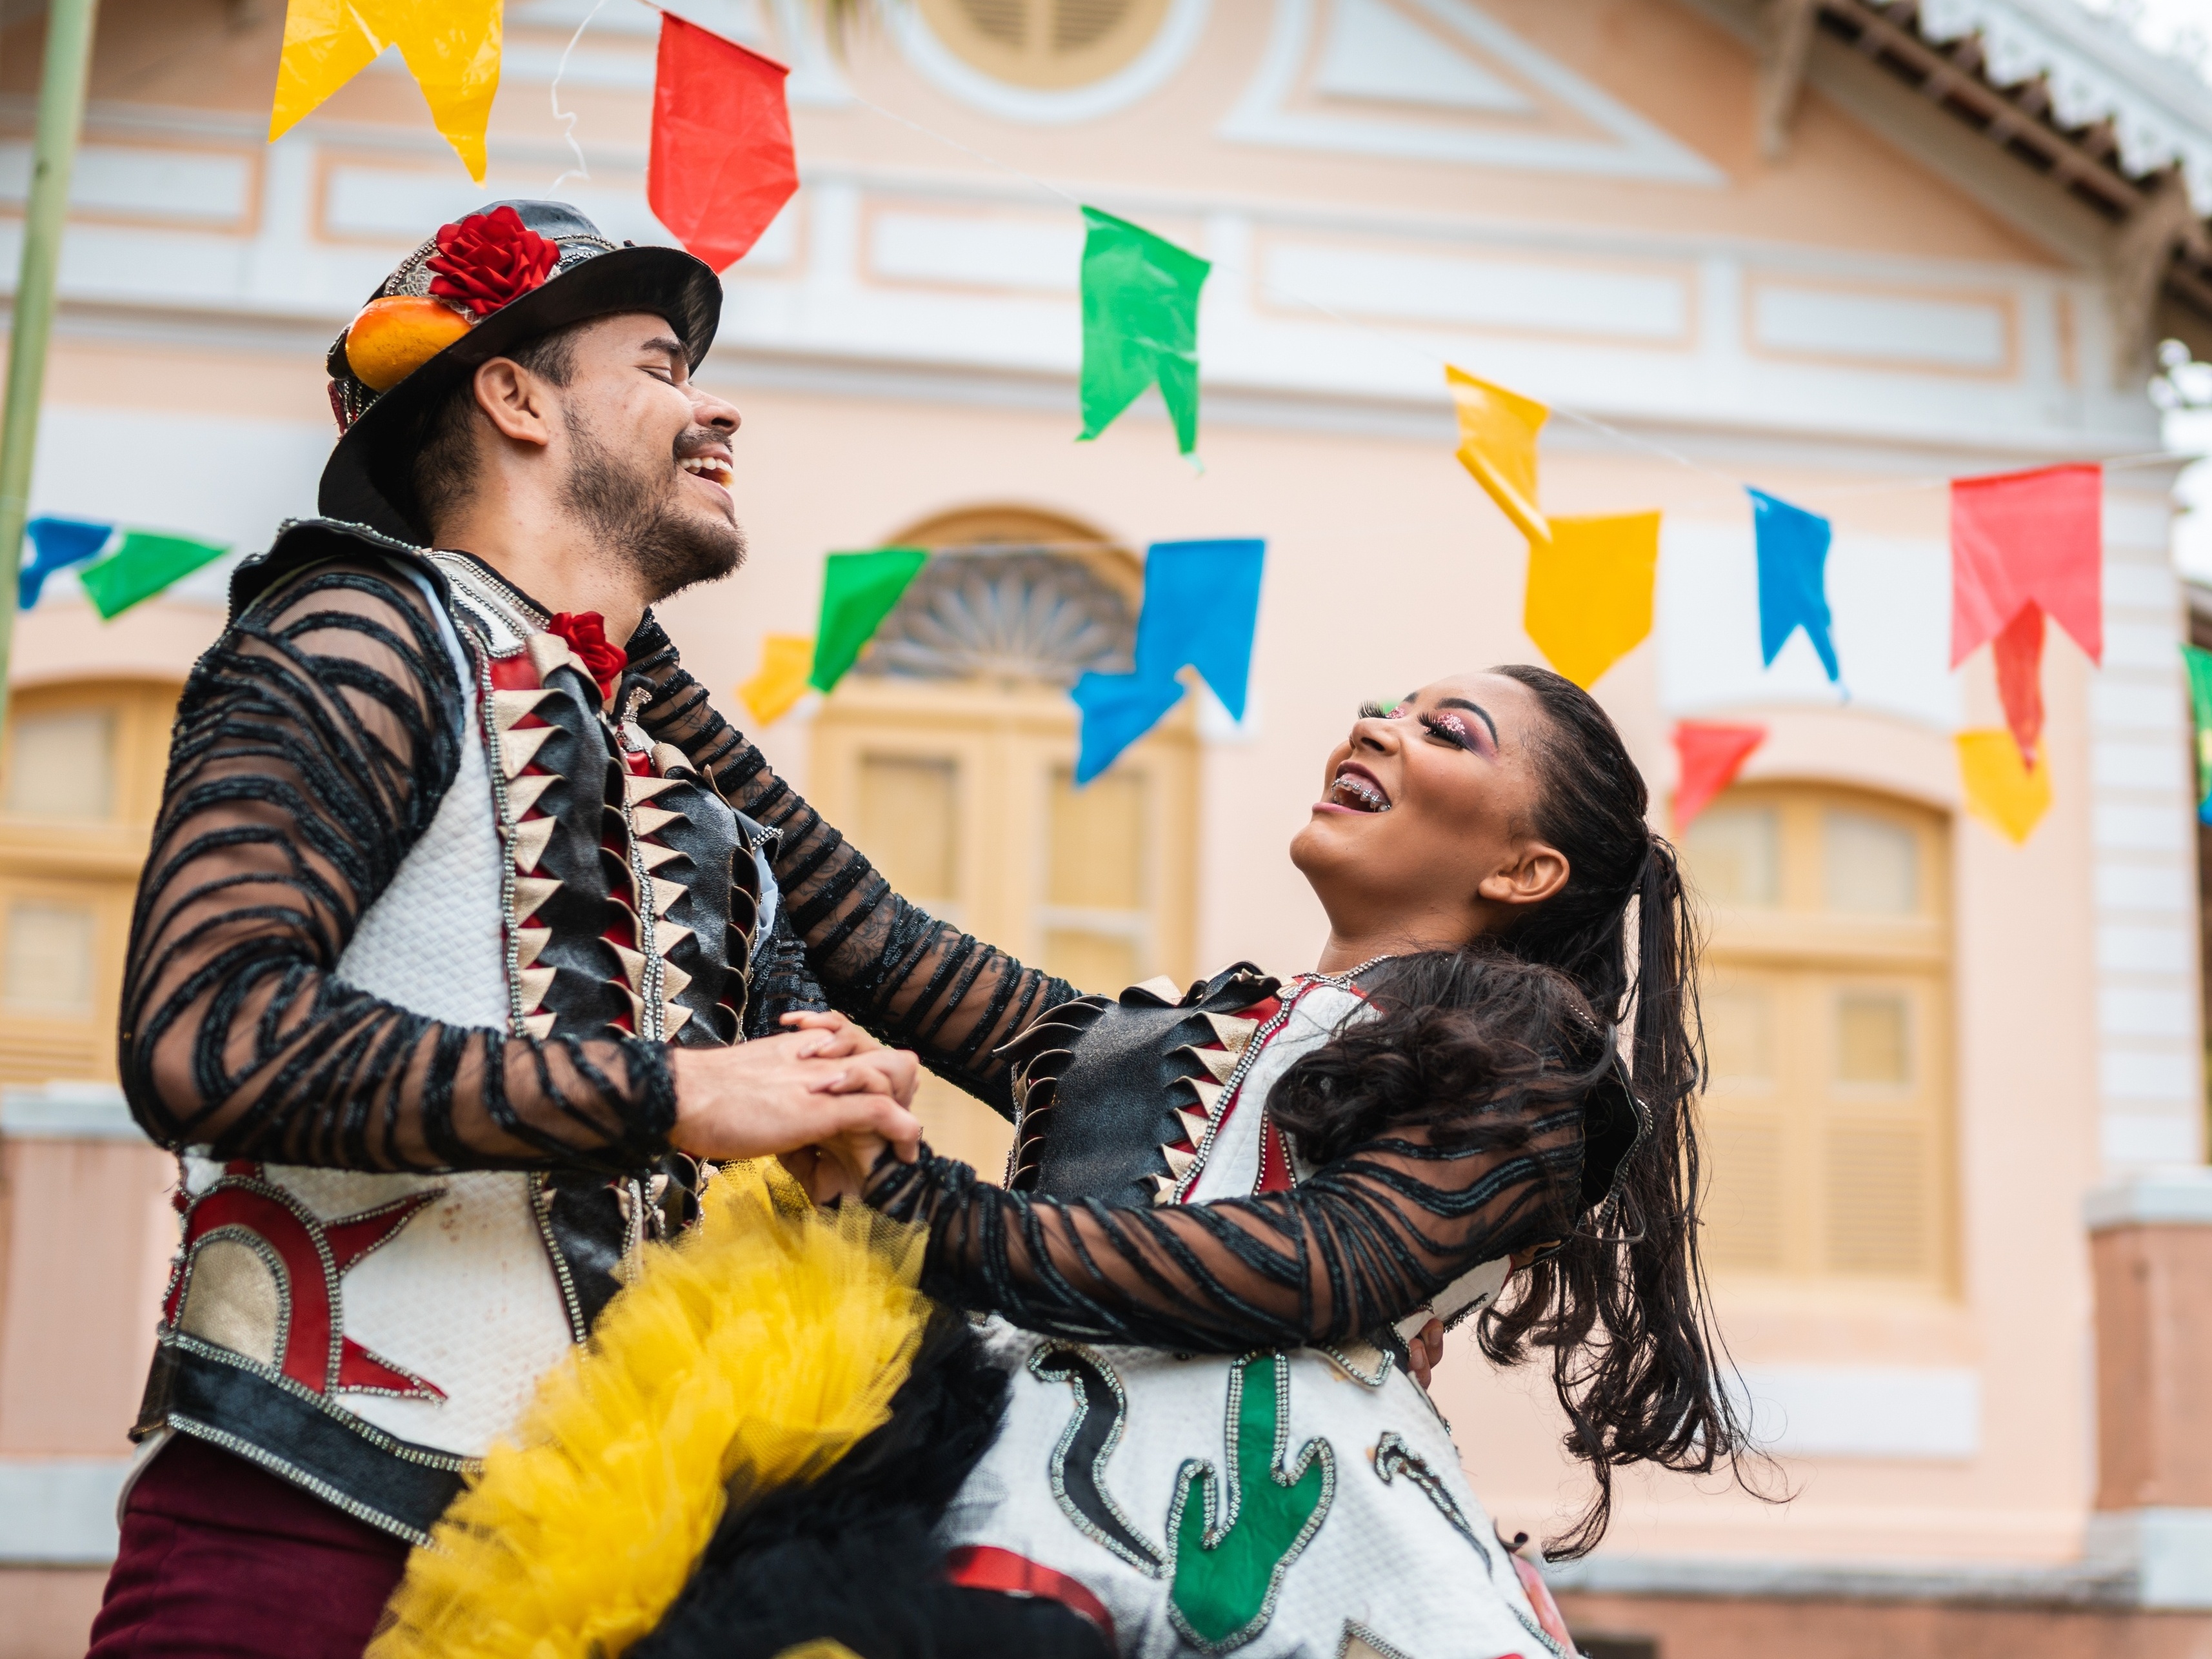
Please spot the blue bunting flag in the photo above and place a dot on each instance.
(1793, 559)
(1201, 603)
(1117, 710)
(56, 544)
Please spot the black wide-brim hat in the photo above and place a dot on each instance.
(366, 480)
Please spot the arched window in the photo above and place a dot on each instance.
(81, 770)
(1827, 1021)
(948, 756)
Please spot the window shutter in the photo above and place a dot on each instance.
(1877, 1198)
(1744, 1210)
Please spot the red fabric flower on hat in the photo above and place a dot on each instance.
(586, 634)
(490, 258)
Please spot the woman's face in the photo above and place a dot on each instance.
(1424, 836)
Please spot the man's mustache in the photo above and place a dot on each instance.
(698, 439)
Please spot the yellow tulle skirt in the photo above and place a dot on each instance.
(762, 1345)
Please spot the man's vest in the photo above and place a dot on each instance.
(368, 1336)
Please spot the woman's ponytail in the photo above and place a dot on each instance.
(1623, 1306)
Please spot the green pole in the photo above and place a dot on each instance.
(53, 155)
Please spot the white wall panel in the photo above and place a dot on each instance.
(1891, 599)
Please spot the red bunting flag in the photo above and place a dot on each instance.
(2020, 538)
(1711, 756)
(722, 166)
(2019, 654)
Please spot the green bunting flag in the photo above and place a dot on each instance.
(858, 591)
(142, 566)
(1140, 325)
(2200, 706)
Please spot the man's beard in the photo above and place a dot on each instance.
(633, 515)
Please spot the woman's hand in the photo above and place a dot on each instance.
(1425, 1352)
(839, 1167)
(778, 1094)
(841, 1036)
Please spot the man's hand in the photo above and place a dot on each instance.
(778, 1094)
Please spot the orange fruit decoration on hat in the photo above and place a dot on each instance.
(397, 335)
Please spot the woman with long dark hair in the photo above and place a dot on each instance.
(1431, 1098)
(1236, 1215)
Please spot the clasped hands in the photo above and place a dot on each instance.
(821, 1086)
(826, 1097)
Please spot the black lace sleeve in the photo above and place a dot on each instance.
(1362, 1243)
(912, 980)
(313, 744)
(782, 983)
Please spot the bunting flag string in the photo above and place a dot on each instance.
(858, 590)
(2004, 788)
(787, 659)
(1202, 604)
(721, 166)
(2198, 663)
(1792, 546)
(56, 544)
(1140, 325)
(451, 48)
(2025, 545)
(1497, 433)
(1588, 599)
(2017, 655)
(144, 562)
(1710, 757)
(1201, 607)
(2018, 538)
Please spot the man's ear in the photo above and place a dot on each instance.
(517, 402)
(1537, 872)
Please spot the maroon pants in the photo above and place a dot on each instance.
(219, 1557)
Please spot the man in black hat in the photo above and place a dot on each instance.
(440, 965)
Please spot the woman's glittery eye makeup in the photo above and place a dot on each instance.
(1371, 710)
(1451, 729)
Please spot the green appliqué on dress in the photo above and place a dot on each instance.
(1233, 1545)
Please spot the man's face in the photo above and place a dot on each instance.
(647, 452)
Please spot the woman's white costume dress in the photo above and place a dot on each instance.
(1302, 1503)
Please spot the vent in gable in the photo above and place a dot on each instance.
(1048, 44)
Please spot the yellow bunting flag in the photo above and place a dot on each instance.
(2002, 790)
(1589, 591)
(1498, 443)
(786, 661)
(451, 48)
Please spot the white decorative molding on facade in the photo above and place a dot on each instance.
(1375, 52)
(1152, 69)
(2095, 73)
(66, 1111)
(2148, 1061)
(1266, 113)
(2000, 1584)
(59, 1511)
(1909, 1413)
(2181, 1196)
(2167, 1553)
(881, 275)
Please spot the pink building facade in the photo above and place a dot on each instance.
(1961, 1229)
